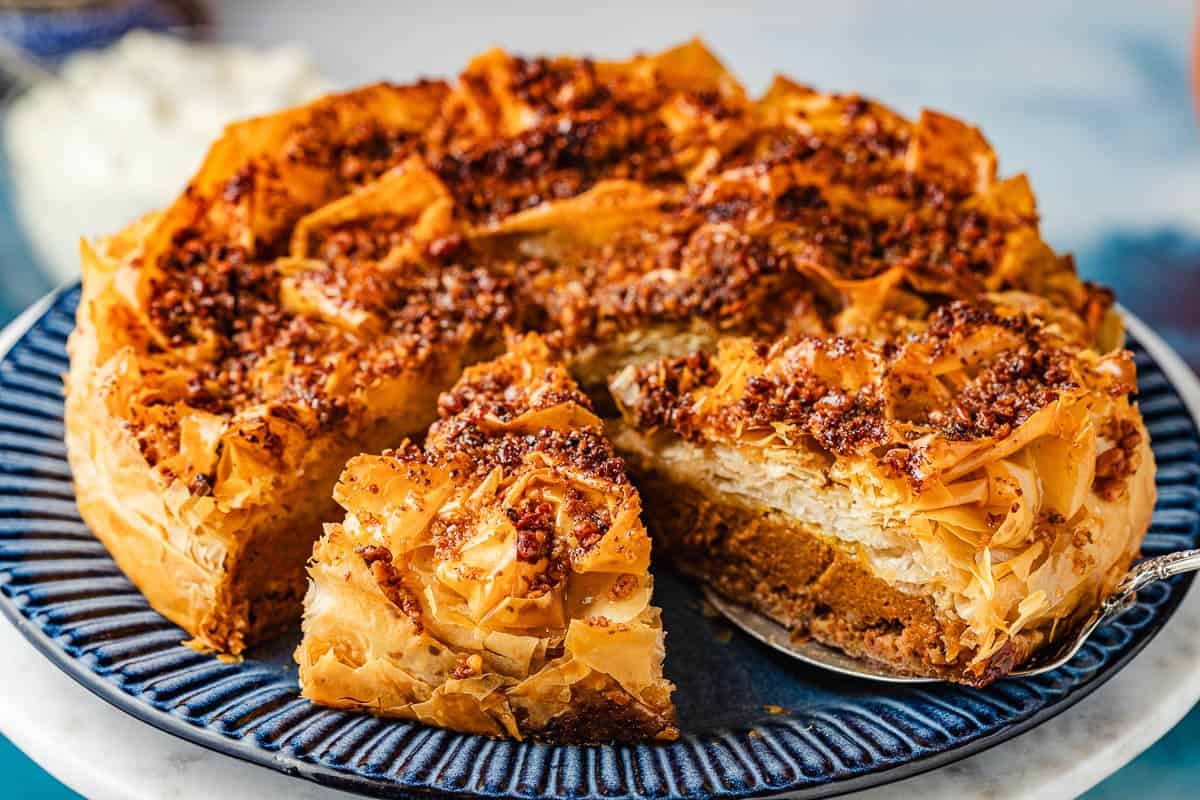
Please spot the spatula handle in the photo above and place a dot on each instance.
(1147, 572)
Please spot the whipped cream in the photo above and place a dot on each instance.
(119, 132)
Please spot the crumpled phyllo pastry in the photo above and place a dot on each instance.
(496, 580)
(945, 504)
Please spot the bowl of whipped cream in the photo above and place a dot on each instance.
(116, 133)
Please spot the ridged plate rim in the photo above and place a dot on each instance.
(1179, 381)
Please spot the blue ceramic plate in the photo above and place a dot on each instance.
(754, 723)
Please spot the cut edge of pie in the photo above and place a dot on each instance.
(495, 581)
(944, 506)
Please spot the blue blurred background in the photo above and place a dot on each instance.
(1095, 101)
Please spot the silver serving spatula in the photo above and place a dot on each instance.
(774, 635)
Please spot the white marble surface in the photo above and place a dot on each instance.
(107, 755)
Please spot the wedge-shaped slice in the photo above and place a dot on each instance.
(495, 582)
(946, 505)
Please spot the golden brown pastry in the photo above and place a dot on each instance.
(331, 268)
(497, 580)
(945, 504)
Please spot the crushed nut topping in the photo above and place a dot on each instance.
(379, 561)
(1115, 465)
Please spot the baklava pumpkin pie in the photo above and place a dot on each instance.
(496, 580)
(333, 268)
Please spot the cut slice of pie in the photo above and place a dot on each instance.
(944, 505)
(495, 581)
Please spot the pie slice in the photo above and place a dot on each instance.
(495, 581)
(945, 505)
